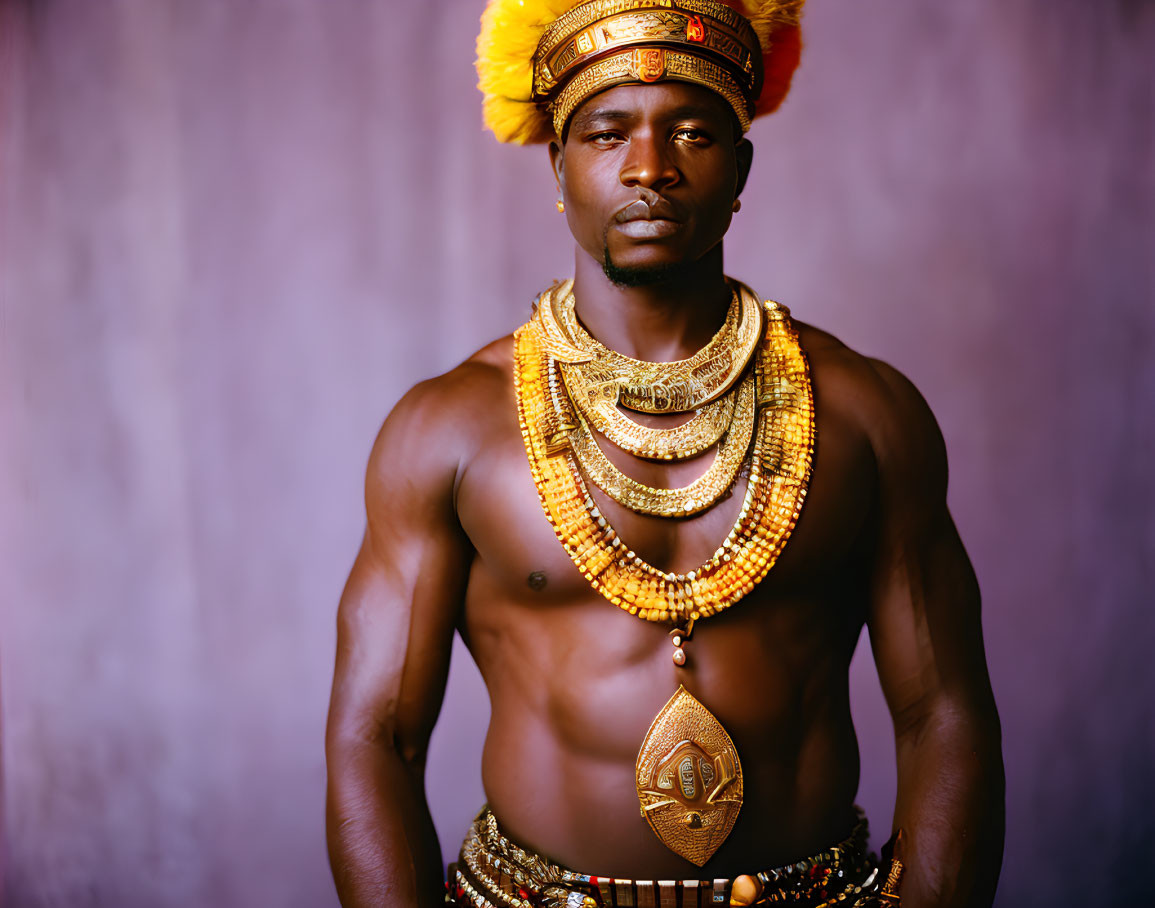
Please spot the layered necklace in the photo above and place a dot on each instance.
(748, 394)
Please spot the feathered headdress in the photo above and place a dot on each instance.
(537, 60)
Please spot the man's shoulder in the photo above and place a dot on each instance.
(440, 421)
(878, 399)
(462, 399)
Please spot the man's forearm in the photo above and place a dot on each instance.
(382, 845)
(950, 807)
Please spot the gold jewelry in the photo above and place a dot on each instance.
(650, 64)
(493, 870)
(606, 42)
(582, 47)
(597, 401)
(673, 387)
(691, 438)
(688, 775)
(560, 206)
(890, 896)
(689, 783)
(779, 473)
(700, 495)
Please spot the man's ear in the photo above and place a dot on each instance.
(557, 162)
(744, 151)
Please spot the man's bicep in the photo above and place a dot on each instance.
(403, 597)
(394, 633)
(924, 622)
(925, 629)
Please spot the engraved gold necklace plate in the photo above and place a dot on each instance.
(701, 494)
(665, 387)
(689, 779)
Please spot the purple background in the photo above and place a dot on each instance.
(232, 234)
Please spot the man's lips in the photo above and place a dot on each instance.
(648, 228)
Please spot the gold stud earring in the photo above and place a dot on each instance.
(560, 206)
(737, 206)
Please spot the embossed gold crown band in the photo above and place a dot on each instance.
(556, 39)
(646, 64)
(604, 43)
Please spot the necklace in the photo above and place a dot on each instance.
(596, 398)
(598, 406)
(784, 441)
(688, 775)
(674, 387)
(699, 495)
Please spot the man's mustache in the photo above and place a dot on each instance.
(650, 206)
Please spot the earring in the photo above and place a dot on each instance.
(560, 206)
(737, 206)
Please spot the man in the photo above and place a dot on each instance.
(659, 515)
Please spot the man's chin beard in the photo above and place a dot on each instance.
(644, 275)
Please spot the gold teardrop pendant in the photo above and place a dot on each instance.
(689, 779)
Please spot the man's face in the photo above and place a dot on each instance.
(649, 175)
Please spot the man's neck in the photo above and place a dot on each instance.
(656, 322)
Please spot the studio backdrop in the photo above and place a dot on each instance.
(232, 234)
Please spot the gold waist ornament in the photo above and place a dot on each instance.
(689, 777)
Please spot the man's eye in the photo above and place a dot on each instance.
(605, 138)
(691, 134)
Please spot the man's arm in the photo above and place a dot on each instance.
(394, 634)
(927, 640)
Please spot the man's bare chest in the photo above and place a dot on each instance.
(500, 510)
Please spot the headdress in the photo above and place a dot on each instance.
(538, 60)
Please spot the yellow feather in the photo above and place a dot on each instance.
(510, 31)
(767, 15)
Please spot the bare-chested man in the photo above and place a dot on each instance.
(650, 159)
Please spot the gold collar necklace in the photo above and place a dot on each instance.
(673, 387)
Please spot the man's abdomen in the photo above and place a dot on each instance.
(574, 691)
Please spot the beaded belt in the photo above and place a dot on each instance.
(493, 872)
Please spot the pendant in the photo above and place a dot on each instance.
(689, 779)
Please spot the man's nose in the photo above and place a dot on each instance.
(648, 163)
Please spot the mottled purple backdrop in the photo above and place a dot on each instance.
(234, 233)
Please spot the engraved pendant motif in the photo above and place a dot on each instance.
(689, 779)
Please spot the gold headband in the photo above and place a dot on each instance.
(603, 43)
